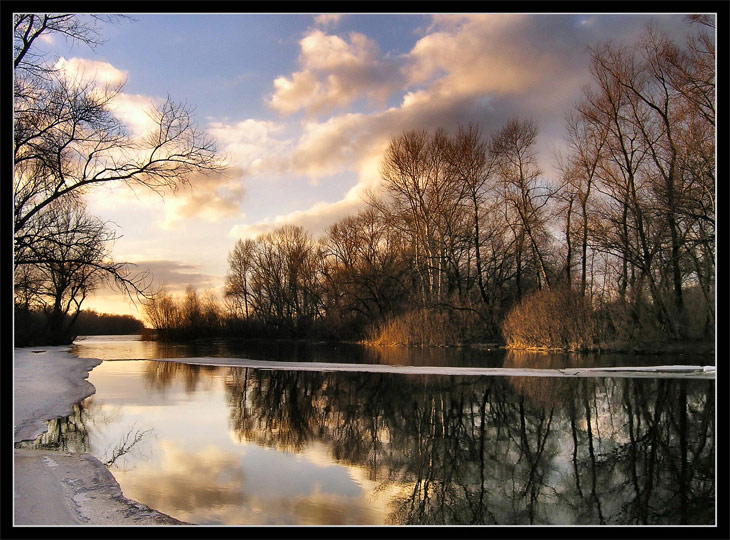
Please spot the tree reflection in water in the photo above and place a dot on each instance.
(500, 450)
(67, 434)
(71, 434)
(478, 450)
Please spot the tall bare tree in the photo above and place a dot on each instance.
(524, 195)
(238, 279)
(657, 101)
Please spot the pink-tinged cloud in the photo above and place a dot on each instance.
(470, 68)
(336, 71)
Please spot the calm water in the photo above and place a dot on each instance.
(235, 445)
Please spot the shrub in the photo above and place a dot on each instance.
(425, 327)
(557, 318)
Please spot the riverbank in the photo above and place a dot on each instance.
(61, 488)
(698, 348)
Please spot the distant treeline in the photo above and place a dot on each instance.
(469, 241)
(91, 323)
(32, 326)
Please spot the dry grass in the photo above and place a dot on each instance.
(425, 327)
(551, 319)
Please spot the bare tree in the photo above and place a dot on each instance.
(67, 140)
(473, 165)
(425, 199)
(67, 259)
(240, 264)
(277, 279)
(657, 102)
(586, 140)
(163, 313)
(364, 267)
(28, 27)
(525, 197)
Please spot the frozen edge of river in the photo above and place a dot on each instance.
(672, 371)
(61, 488)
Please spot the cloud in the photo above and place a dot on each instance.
(461, 55)
(327, 19)
(336, 71)
(217, 475)
(251, 485)
(176, 275)
(483, 68)
(133, 110)
(315, 219)
(209, 196)
(251, 145)
(459, 72)
(85, 71)
(481, 53)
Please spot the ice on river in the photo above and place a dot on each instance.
(671, 371)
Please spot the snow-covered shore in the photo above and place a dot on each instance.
(48, 381)
(60, 488)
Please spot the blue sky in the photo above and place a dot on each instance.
(302, 106)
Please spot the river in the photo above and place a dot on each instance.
(242, 445)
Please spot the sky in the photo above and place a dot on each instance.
(302, 107)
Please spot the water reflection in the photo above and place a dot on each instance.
(159, 375)
(257, 447)
(69, 434)
(493, 450)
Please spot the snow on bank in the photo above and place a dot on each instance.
(48, 382)
(61, 488)
(692, 372)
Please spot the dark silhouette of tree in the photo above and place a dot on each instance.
(66, 141)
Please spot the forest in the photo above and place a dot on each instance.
(467, 240)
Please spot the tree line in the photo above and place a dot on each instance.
(469, 240)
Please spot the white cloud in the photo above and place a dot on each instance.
(84, 71)
(321, 51)
(315, 219)
(211, 197)
(133, 110)
(251, 145)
